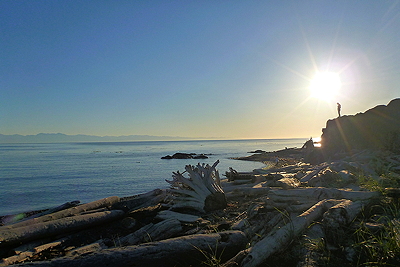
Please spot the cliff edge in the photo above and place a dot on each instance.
(377, 128)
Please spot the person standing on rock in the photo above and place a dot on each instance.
(339, 107)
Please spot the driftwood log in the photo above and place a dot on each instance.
(105, 202)
(55, 227)
(337, 218)
(153, 232)
(10, 219)
(278, 239)
(141, 201)
(180, 251)
(336, 214)
(202, 191)
(320, 193)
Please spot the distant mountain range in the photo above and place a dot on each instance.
(59, 137)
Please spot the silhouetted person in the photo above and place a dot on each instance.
(339, 107)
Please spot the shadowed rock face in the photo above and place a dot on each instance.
(377, 128)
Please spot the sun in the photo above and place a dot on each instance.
(325, 85)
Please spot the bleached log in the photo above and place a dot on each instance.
(29, 246)
(96, 246)
(248, 192)
(16, 258)
(148, 199)
(181, 251)
(287, 183)
(10, 219)
(105, 202)
(153, 232)
(182, 217)
(279, 238)
(337, 218)
(55, 227)
(48, 246)
(309, 254)
(320, 193)
(313, 173)
(297, 208)
(202, 191)
(38, 246)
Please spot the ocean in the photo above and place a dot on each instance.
(45, 175)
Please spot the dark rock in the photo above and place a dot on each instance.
(258, 151)
(377, 128)
(185, 156)
(201, 156)
(314, 156)
(182, 156)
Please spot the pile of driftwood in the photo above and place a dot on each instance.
(201, 220)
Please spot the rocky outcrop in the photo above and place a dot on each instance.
(185, 156)
(377, 128)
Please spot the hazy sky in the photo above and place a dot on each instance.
(228, 69)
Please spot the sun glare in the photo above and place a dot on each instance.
(325, 85)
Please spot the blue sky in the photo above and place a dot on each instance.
(225, 69)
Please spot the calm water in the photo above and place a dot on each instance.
(38, 176)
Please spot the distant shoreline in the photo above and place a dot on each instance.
(64, 138)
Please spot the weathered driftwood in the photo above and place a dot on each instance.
(247, 191)
(320, 193)
(96, 246)
(153, 232)
(105, 202)
(337, 218)
(48, 246)
(233, 175)
(202, 191)
(180, 251)
(29, 246)
(60, 226)
(313, 173)
(310, 240)
(182, 217)
(296, 208)
(16, 258)
(148, 199)
(287, 183)
(10, 219)
(275, 240)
